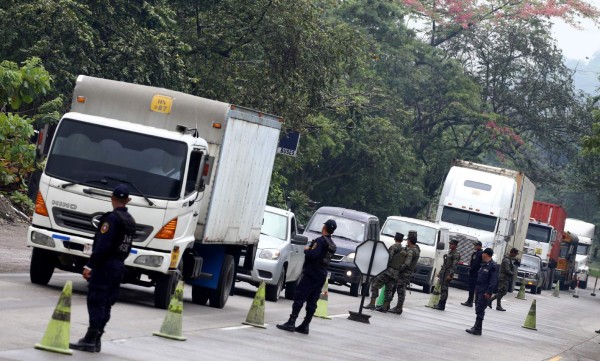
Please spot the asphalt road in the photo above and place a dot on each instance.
(565, 328)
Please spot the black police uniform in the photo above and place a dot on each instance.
(473, 270)
(112, 243)
(486, 283)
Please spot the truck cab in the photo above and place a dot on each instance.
(585, 233)
(432, 240)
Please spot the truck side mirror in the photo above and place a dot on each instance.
(300, 240)
(440, 246)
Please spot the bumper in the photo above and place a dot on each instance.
(529, 282)
(80, 247)
(422, 275)
(343, 272)
(264, 270)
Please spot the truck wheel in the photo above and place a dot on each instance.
(290, 289)
(354, 289)
(42, 266)
(583, 284)
(533, 290)
(163, 290)
(218, 298)
(539, 289)
(272, 291)
(550, 281)
(563, 286)
(200, 295)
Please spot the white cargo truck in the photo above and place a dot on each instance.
(198, 171)
(485, 203)
(432, 240)
(585, 233)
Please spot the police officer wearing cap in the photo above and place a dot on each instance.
(105, 268)
(314, 273)
(486, 283)
(447, 273)
(474, 265)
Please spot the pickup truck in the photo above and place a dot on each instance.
(279, 257)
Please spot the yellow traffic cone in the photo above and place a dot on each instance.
(256, 315)
(322, 302)
(435, 295)
(521, 294)
(556, 291)
(172, 324)
(381, 297)
(530, 320)
(56, 338)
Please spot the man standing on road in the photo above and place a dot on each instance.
(473, 269)
(507, 270)
(314, 273)
(406, 269)
(486, 282)
(447, 273)
(104, 270)
(388, 277)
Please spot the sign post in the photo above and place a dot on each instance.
(371, 259)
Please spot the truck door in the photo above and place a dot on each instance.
(297, 253)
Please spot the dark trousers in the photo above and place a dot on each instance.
(472, 282)
(103, 292)
(480, 304)
(308, 290)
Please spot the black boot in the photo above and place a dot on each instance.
(290, 325)
(476, 329)
(88, 342)
(468, 303)
(303, 328)
(490, 301)
(499, 305)
(383, 308)
(371, 305)
(98, 343)
(440, 306)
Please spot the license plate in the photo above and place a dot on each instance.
(455, 276)
(87, 249)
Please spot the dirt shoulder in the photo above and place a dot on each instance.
(14, 253)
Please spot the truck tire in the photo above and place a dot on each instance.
(583, 284)
(427, 289)
(218, 298)
(533, 290)
(290, 289)
(164, 289)
(550, 280)
(563, 286)
(272, 292)
(200, 295)
(42, 266)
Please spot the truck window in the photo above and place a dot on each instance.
(538, 233)
(583, 249)
(469, 219)
(194, 169)
(478, 185)
(87, 153)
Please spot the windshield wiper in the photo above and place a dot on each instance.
(386, 234)
(348, 238)
(102, 181)
(134, 187)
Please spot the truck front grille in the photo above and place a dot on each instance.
(464, 247)
(83, 222)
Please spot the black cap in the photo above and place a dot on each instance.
(399, 236)
(330, 225)
(489, 252)
(514, 250)
(454, 241)
(477, 243)
(121, 191)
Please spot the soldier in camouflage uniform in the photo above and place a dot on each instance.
(406, 269)
(388, 277)
(507, 271)
(446, 273)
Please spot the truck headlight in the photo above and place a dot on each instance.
(425, 261)
(42, 239)
(349, 257)
(269, 253)
(150, 261)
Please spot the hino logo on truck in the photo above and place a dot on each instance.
(64, 205)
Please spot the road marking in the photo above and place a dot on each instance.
(238, 327)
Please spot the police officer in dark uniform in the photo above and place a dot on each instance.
(486, 283)
(105, 268)
(314, 273)
(473, 269)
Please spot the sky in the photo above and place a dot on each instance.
(578, 44)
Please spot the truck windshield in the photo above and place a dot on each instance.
(425, 235)
(85, 153)
(469, 219)
(274, 225)
(538, 233)
(583, 249)
(346, 228)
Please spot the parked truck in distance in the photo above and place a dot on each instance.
(484, 203)
(585, 232)
(544, 236)
(433, 241)
(198, 171)
(279, 257)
